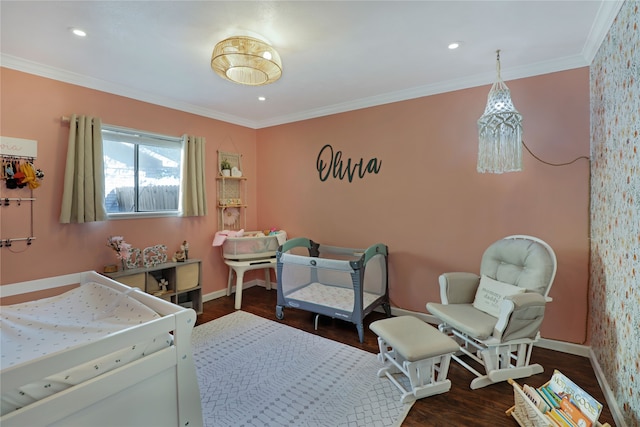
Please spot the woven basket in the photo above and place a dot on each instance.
(524, 411)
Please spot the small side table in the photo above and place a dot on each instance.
(239, 268)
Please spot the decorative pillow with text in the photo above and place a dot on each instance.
(490, 294)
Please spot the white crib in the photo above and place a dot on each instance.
(158, 389)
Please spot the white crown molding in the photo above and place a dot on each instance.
(30, 67)
(545, 67)
(606, 15)
(539, 68)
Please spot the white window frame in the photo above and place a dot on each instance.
(139, 137)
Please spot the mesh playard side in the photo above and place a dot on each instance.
(343, 283)
(252, 245)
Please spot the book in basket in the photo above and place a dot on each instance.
(561, 385)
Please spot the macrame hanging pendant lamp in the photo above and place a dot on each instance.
(246, 60)
(500, 131)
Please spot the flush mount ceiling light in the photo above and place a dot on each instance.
(500, 131)
(246, 60)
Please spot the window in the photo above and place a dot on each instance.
(141, 172)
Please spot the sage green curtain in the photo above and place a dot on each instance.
(193, 193)
(83, 193)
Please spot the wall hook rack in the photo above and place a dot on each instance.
(8, 200)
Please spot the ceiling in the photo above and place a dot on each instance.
(337, 56)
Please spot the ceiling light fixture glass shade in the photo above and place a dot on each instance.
(246, 60)
(500, 131)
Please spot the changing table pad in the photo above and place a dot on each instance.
(87, 313)
(330, 296)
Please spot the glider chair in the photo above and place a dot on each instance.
(496, 316)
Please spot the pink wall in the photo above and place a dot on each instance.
(31, 109)
(427, 203)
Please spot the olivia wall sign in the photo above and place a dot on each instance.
(330, 164)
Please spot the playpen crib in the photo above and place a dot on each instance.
(343, 283)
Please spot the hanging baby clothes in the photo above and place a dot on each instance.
(20, 173)
(30, 175)
(10, 174)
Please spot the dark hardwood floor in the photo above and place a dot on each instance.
(461, 406)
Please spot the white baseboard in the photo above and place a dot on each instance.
(564, 347)
(616, 413)
(223, 292)
(214, 295)
(561, 346)
(395, 311)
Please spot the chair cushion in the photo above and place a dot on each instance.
(490, 294)
(521, 262)
(465, 318)
(412, 338)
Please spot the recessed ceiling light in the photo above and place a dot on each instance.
(262, 98)
(454, 45)
(78, 32)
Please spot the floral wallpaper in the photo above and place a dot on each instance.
(614, 288)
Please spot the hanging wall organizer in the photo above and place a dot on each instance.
(232, 192)
(18, 174)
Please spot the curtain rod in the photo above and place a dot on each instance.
(66, 119)
(129, 131)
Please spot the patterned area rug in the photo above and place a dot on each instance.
(257, 372)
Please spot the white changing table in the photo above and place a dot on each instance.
(239, 268)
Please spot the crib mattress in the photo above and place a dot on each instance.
(87, 313)
(335, 297)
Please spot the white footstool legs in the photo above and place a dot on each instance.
(419, 351)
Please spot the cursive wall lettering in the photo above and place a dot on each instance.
(330, 164)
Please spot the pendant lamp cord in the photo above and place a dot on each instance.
(525, 145)
(554, 164)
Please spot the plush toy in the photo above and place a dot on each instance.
(184, 247)
(179, 256)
